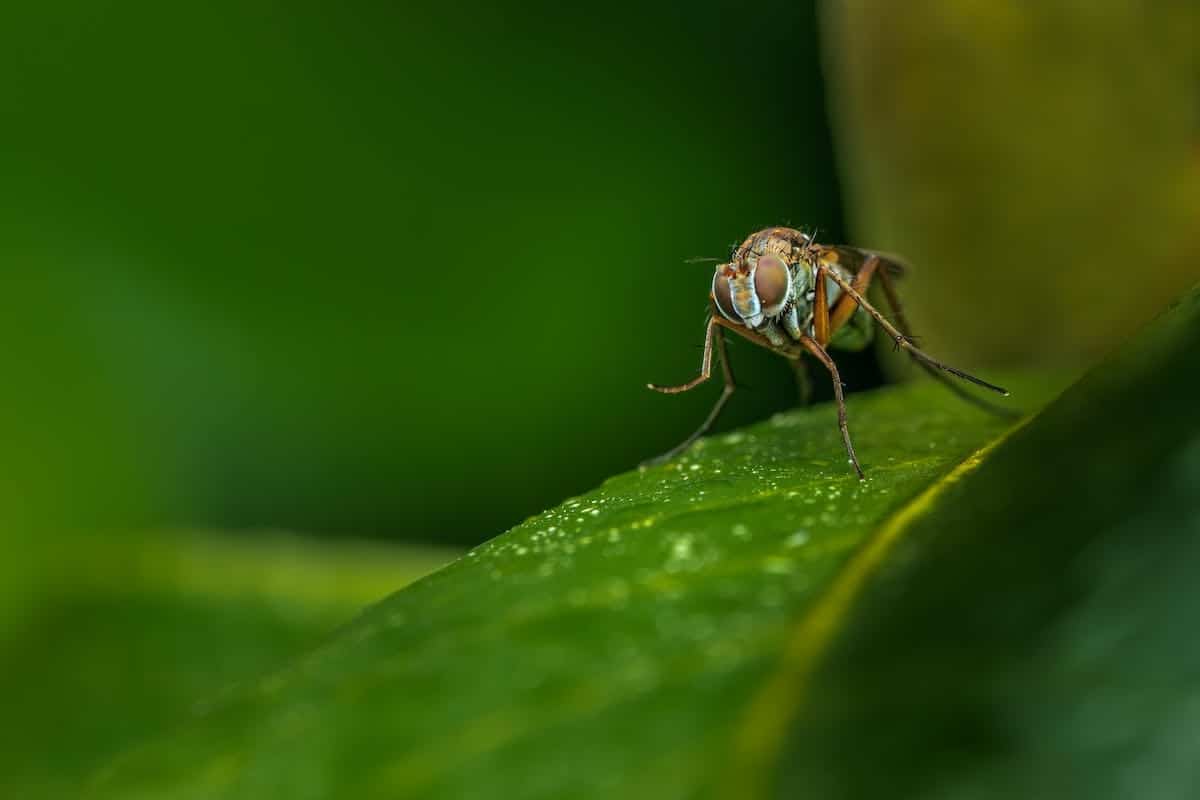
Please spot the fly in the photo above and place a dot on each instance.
(789, 294)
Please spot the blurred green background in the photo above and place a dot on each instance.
(394, 270)
(402, 271)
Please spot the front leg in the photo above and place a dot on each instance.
(713, 332)
(705, 365)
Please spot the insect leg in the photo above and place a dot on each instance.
(821, 330)
(813, 347)
(893, 298)
(901, 339)
(726, 392)
(705, 366)
(845, 306)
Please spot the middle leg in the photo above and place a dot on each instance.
(817, 350)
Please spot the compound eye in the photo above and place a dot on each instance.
(721, 294)
(771, 282)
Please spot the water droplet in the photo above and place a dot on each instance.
(682, 548)
(741, 531)
(797, 539)
(681, 555)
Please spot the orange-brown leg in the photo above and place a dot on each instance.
(817, 350)
(713, 332)
(705, 365)
(821, 330)
(845, 306)
(903, 340)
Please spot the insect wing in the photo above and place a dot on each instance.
(852, 259)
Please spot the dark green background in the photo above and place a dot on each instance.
(401, 271)
(395, 270)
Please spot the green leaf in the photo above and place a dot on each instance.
(148, 628)
(668, 634)
(611, 642)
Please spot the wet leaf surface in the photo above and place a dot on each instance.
(612, 645)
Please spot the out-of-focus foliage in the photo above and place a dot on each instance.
(659, 636)
(337, 262)
(1038, 162)
(69, 450)
(139, 640)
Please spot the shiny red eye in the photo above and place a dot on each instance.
(720, 292)
(771, 281)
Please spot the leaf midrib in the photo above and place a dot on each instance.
(761, 735)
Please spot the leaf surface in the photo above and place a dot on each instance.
(612, 645)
